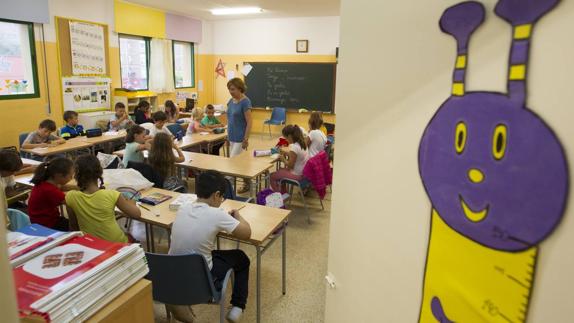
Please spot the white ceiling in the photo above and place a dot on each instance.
(272, 8)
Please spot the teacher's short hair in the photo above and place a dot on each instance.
(237, 83)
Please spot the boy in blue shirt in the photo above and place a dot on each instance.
(72, 129)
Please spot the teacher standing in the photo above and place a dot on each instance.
(238, 117)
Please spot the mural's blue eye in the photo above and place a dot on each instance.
(499, 141)
(460, 137)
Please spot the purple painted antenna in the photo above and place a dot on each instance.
(522, 15)
(460, 21)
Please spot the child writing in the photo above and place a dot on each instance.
(195, 228)
(92, 208)
(142, 112)
(171, 111)
(136, 143)
(72, 129)
(50, 181)
(121, 120)
(294, 157)
(316, 140)
(195, 126)
(43, 137)
(10, 165)
(159, 119)
(161, 156)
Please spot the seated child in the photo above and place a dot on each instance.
(171, 111)
(43, 137)
(136, 143)
(294, 158)
(211, 122)
(72, 129)
(195, 228)
(142, 112)
(92, 208)
(195, 126)
(160, 119)
(121, 120)
(161, 156)
(10, 165)
(316, 140)
(50, 181)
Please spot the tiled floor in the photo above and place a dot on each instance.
(307, 246)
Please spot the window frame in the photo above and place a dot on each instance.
(33, 58)
(192, 63)
(147, 54)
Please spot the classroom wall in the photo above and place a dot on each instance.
(380, 213)
(272, 40)
(258, 40)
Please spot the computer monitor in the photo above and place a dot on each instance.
(189, 104)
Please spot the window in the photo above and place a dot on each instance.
(183, 67)
(18, 71)
(134, 62)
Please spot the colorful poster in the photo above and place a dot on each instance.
(497, 177)
(86, 93)
(87, 48)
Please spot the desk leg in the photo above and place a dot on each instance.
(284, 259)
(258, 284)
(252, 188)
(152, 241)
(147, 225)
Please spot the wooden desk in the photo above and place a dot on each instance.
(133, 305)
(248, 169)
(210, 139)
(68, 146)
(265, 225)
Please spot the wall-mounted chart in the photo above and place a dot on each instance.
(88, 49)
(83, 94)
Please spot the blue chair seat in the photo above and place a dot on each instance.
(278, 117)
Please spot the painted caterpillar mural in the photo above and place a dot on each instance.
(497, 177)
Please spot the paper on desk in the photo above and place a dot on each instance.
(111, 133)
(203, 133)
(40, 149)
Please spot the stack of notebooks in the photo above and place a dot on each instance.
(72, 278)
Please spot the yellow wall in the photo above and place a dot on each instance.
(25, 115)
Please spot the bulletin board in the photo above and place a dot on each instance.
(98, 81)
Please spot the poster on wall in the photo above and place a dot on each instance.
(497, 177)
(87, 48)
(83, 94)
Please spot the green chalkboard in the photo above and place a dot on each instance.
(292, 85)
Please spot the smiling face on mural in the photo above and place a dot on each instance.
(494, 171)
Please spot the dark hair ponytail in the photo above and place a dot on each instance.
(296, 134)
(48, 169)
(132, 132)
(88, 170)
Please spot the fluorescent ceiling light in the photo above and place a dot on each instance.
(235, 11)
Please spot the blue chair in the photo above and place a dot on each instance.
(185, 280)
(278, 117)
(21, 139)
(230, 193)
(303, 185)
(18, 219)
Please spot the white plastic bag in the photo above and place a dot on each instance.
(128, 177)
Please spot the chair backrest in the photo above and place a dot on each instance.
(174, 128)
(229, 190)
(279, 114)
(18, 219)
(22, 137)
(181, 280)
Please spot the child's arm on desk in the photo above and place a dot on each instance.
(243, 229)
